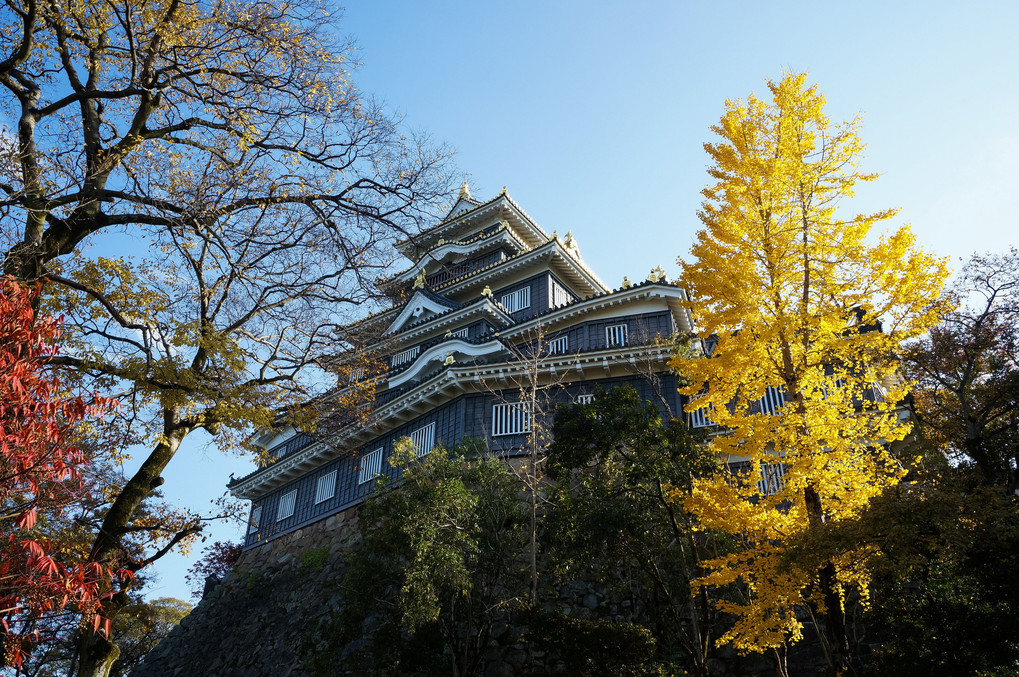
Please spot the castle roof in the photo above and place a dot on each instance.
(459, 222)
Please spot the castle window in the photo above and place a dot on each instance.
(404, 356)
(459, 333)
(772, 479)
(256, 517)
(326, 487)
(587, 398)
(510, 419)
(559, 345)
(615, 335)
(516, 300)
(839, 385)
(699, 417)
(773, 400)
(424, 439)
(287, 503)
(371, 465)
(357, 374)
(560, 297)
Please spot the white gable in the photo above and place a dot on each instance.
(462, 205)
(418, 308)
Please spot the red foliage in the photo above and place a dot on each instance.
(217, 560)
(38, 466)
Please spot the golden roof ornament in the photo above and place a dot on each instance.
(487, 291)
(449, 334)
(465, 192)
(626, 283)
(419, 281)
(503, 191)
(570, 242)
(656, 275)
(449, 360)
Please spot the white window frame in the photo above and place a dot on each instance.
(357, 374)
(616, 335)
(424, 439)
(256, 517)
(826, 392)
(772, 479)
(404, 356)
(510, 418)
(586, 398)
(699, 417)
(371, 465)
(773, 400)
(459, 333)
(560, 345)
(287, 506)
(326, 487)
(516, 300)
(560, 295)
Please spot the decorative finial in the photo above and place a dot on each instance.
(504, 223)
(503, 191)
(656, 275)
(419, 281)
(487, 291)
(626, 283)
(465, 191)
(554, 236)
(570, 242)
(441, 242)
(449, 333)
(449, 360)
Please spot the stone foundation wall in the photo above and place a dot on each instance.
(268, 616)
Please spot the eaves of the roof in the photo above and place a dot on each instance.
(626, 294)
(508, 263)
(405, 275)
(450, 381)
(401, 244)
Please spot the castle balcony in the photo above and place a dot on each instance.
(465, 268)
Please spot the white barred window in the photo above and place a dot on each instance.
(357, 374)
(774, 398)
(559, 345)
(510, 419)
(826, 393)
(326, 487)
(256, 517)
(404, 356)
(586, 398)
(516, 300)
(424, 439)
(287, 503)
(560, 297)
(772, 479)
(699, 418)
(459, 333)
(371, 465)
(615, 335)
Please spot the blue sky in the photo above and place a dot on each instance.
(593, 116)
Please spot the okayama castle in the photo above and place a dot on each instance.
(488, 300)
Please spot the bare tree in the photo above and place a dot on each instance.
(208, 196)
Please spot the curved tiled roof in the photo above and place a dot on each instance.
(551, 244)
(593, 297)
(442, 380)
(480, 236)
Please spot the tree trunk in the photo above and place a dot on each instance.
(98, 653)
(832, 616)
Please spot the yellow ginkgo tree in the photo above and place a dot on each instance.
(802, 308)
